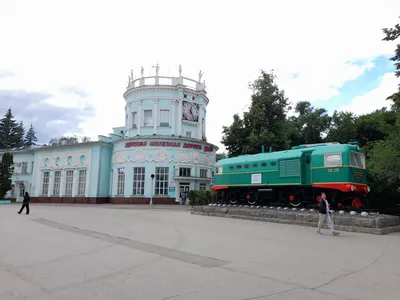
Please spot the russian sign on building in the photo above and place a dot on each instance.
(168, 144)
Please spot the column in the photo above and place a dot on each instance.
(205, 121)
(179, 118)
(173, 121)
(200, 123)
(139, 122)
(155, 116)
(129, 114)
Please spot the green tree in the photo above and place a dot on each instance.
(312, 123)
(19, 136)
(220, 156)
(392, 34)
(10, 132)
(235, 137)
(374, 126)
(343, 127)
(6, 170)
(264, 124)
(30, 138)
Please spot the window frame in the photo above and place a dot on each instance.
(82, 185)
(331, 154)
(134, 119)
(161, 191)
(185, 173)
(138, 183)
(120, 181)
(164, 124)
(150, 124)
(204, 171)
(68, 188)
(362, 156)
(45, 191)
(57, 185)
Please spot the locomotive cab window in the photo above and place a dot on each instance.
(218, 170)
(333, 159)
(357, 160)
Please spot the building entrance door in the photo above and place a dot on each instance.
(183, 191)
(20, 192)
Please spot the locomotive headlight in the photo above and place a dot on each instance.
(353, 188)
(368, 189)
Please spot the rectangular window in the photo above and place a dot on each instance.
(45, 185)
(164, 118)
(161, 187)
(134, 120)
(69, 182)
(121, 181)
(138, 181)
(357, 160)
(57, 182)
(24, 169)
(188, 134)
(203, 186)
(203, 173)
(148, 118)
(333, 160)
(82, 183)
(184, 172)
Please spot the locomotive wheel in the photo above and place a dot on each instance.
(251, 202)
(295, 203)
(233, 201)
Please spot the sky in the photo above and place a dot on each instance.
(64, 65)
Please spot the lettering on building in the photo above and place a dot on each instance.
(168, 144)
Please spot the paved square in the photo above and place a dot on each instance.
(136, 252)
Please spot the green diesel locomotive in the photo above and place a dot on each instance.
(296, 177)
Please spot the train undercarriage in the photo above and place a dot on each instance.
(290, 196)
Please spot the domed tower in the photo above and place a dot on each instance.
(162, 151)
(166, 106)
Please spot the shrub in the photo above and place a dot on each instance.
(201, 197)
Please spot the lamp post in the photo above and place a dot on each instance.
(152, 185)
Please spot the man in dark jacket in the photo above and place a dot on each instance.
(25, 203)
(324, 214)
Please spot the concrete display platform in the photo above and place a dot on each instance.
(374, 224)
(100, 252)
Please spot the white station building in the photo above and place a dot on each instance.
(160, 153)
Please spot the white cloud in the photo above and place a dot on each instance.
(93, 45)
(376, 98)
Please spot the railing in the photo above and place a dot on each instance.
(166, 80)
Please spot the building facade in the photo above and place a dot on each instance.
(158, 155)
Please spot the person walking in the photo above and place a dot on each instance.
(324, 214)
(25, 203)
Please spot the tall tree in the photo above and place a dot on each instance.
(30, 138)
(263, 124)
(19, 136)
(343, 128)
(10, 131)
(312, 123)
(392, 34)
(6, 170)
(235, 136)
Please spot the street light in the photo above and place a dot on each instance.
(151, 198)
